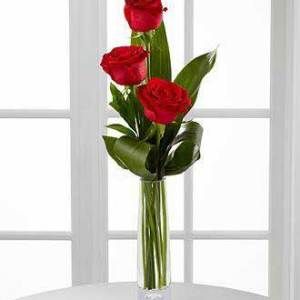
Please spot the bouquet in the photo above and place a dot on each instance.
(158, 140)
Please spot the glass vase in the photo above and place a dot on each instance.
(153, 242)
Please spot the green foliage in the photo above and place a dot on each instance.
(167, 140)
(183, 157)
(110, 143)
(150, 133)
(185, 149)
(177, 153)
(190, 131)
(122, 129)
(192, 74)
(133, 154)
(149, 150)
(122, 106)
(142, 124)
(160, 61)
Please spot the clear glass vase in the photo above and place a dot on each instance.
(153, 242)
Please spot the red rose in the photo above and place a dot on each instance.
(143, 15)
(163, 100)
(126, 65)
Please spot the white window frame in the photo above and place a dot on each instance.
(294, 126)
(94, 84)
(88, 115)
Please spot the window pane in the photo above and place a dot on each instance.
(30, 267)
(177, 260)
(123, 261)
(174, 21)
(175, 199)
(34, 174)
(124, 198)
(241, 77)
(118, 31)
(124, 195)
(241, 265)
(34, 55)
(231, 181)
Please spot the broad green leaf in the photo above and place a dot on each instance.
(160, 61)
(167, 140)
(133, 154)
(110, 143)
(122, 129)
(192, 74)
(190, 131)
(185, 155)
(190, 78)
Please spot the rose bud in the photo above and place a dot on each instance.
(126, 65)
(163, 100)
(143, 15)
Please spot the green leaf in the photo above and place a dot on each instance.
(122, 129)
(150, 133)
(192, 74)
(190, 131)
(160, 61)
(110, 143)
(189, 78)
(133, 154)
(170, 133)
(185, 155)
(142, 123)
(122, 106)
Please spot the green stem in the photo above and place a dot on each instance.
(154, 236)
(159, 230)
(148, 48)
(151, 216)
(165, 233)
(144, 237)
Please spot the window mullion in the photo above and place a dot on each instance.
(295, 170)
(35, 236)
(229, 113)
(188, 176)
(218, 113)
(280, 159)
(89, 165)
(198, 235)
(34, 113)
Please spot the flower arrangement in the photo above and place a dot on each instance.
(157, 141)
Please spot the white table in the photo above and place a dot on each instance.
(128, 291)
